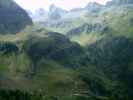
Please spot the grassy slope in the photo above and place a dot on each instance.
(120, 21)
(85, 38)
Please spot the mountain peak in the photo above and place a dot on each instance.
(56, 12)
(93, 6)
(52, 7)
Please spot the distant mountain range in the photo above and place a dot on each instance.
(56, 13)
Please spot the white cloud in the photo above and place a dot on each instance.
(65, 4)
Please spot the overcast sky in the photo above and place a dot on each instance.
(32, 5)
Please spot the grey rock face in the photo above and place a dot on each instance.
(55, 12)
(94, 7)
(87, 28)
(120, 2)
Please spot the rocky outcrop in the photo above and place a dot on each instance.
(87, 28)
(12, 17)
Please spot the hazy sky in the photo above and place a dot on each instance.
(65, 4)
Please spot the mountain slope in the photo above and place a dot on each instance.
(13, 18)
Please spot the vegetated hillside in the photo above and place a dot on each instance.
(115, 20)
(12, 18)
(47, 64)
(38, 64)
(43, 62)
